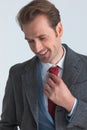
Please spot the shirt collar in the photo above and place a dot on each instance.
(46, 66)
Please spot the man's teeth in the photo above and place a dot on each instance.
(43, 52)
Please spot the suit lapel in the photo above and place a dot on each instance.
(29, 82)
(72, 67)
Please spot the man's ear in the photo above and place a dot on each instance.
(59, 29)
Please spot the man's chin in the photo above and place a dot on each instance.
(44, 60)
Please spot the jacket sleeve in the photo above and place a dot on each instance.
(8, 117)
(79, 117)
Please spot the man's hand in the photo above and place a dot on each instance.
(57, 91)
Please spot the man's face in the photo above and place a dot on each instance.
(43, 40)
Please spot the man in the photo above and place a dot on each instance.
(31, 86)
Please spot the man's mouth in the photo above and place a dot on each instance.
(42, 53)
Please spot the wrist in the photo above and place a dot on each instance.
(70, 103)
(70, 115)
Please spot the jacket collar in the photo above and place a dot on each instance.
(72, 67)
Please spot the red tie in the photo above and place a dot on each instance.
(51, 105)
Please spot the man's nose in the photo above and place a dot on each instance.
(38, 46)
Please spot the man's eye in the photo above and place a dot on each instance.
(42, 38)
(30, 41)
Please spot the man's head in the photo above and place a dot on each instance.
(40, 22)
(39, 7)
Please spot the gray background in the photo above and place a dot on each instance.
(13, 47)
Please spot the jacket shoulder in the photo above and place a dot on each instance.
(20, 68)
(71, 54)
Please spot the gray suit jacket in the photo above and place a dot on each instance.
(20, 104)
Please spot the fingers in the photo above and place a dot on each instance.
(55, 78)
(49, 87)
(47, 90)
(51, 83)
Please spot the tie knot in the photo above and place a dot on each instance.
(54, 70)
